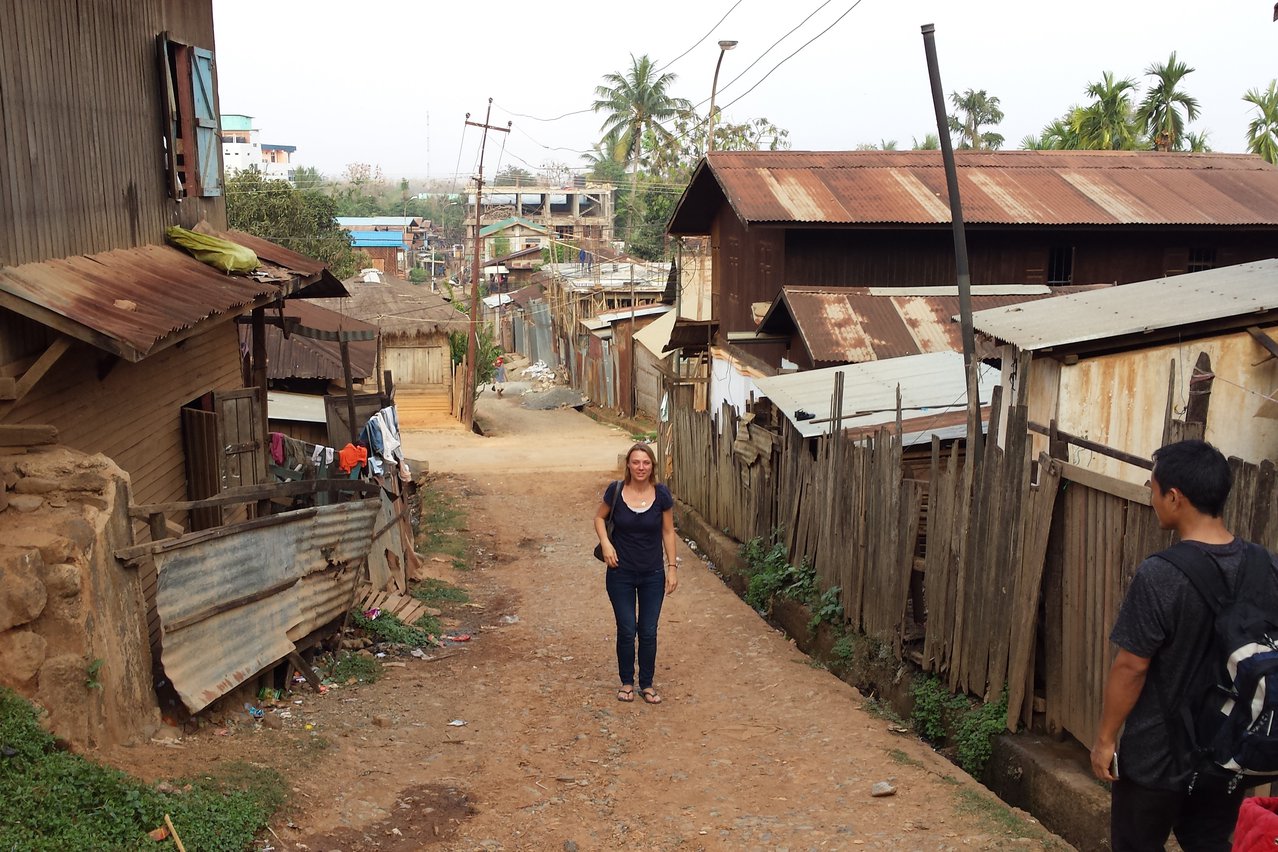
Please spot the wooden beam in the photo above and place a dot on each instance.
(1138, 461)
(26, 436)
(43, 364)
(1264, 340)
(251, 493)
(1101, 482)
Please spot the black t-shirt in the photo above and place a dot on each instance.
(637, 535)
(1166, 621)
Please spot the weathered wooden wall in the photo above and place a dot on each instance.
(83, 165)
(422, 361)
(1026, 561)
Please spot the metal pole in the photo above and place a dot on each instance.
(472, 338)
(974, 435)
(724, 47)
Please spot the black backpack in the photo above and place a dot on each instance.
(1234, 725)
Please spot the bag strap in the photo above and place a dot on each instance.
(616, 495)
(1203, 573)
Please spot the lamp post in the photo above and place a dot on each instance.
(724, 47)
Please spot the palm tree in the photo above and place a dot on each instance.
(1160, 111)
(1262, 132)
(634, 103)
(1109, 122)
(972, 111)
(931, 142)
(1196, 143)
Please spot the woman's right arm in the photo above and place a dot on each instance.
(609, 552)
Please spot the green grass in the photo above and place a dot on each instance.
(440, 525)
(434, 591)
(999, 819)
(904, 759)
(388, 628)
(362, 669)
(55, 800)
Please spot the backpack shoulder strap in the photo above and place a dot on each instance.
(617, 485)
(1202, 571)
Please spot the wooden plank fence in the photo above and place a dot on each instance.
(1025, 562)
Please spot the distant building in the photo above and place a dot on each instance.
(241, 150)
(580, 215)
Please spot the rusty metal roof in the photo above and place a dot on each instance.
(1135, 314)
(1006, 188)
(232, 605)
(302, 357)
(856, 324)
(315, 280)
(134, 302)
(399, 309)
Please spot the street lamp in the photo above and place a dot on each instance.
(724, 47)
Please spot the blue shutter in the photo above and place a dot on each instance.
(208, 150)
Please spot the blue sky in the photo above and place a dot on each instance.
(388, 82)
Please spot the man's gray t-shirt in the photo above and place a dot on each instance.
(1165, 620)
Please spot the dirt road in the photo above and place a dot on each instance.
(754, 747)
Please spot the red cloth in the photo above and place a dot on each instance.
(349, 456)
(1257, 827)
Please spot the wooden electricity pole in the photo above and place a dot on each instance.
(472, 338)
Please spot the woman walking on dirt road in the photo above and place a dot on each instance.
(638, 577)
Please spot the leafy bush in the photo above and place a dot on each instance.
(828, 609)
(771, 574)
(361, 668)
(933, 706)
(55, 800)
(976, 730)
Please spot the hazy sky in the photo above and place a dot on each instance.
(389, 82)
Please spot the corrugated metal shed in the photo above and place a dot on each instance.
(998, 188)
(931, 384)
(856, 324)
(301, 357)
(1247, 292)
(132, 302)
(231, 605)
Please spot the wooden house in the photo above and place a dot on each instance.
(881, 219)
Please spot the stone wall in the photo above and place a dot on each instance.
(72, 618)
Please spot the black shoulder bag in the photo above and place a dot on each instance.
(608, 524)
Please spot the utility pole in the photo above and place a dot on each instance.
(472, 338)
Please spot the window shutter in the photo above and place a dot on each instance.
(207, 147)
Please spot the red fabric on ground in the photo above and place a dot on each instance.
(1257, 829)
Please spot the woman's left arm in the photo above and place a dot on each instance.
(669, 543)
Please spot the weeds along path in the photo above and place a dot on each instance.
(514, 740)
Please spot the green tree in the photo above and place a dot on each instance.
(1262, 131)
(301, 220)
(1057, 135)
(931, 142)
(513, 174)
(1160, 111)
(603, 162)
(308, 177)
(974, 110)
(634, 103)
(1196, 143)
(1109, 122)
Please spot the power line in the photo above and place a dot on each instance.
(700, 40)
(774, 44)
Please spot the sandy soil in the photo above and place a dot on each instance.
(753, 748)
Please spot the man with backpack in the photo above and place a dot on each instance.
(1189, 750)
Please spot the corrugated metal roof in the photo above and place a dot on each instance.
(933, 383)
(377, 239)
(316, 281)
(131, 302)
(1242, 291)
(399, 309)
(357, 222)
(302, 407)
(997, 187)
(857, 324)
(509, 221)
(301, 357)
(288, 561)
(626, 313)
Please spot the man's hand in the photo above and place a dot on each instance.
(1103, 760)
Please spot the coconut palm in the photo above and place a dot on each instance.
(634, 103)
(1196, 143)
(930, 142)
(1160, 111)
(974, 109)
(1262, 132)
(1109, 122)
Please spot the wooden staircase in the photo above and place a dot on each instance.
(424, 408)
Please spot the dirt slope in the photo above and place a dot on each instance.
(754, 748)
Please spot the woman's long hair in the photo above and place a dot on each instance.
(651, 456)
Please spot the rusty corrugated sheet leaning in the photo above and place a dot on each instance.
(232, 605)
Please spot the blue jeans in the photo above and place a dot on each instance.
(636, 602)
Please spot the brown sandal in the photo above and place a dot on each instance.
(650, 696)
(626, 694)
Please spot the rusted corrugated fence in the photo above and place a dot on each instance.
(1025, 563)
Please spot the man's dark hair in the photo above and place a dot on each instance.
(1197, 470)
